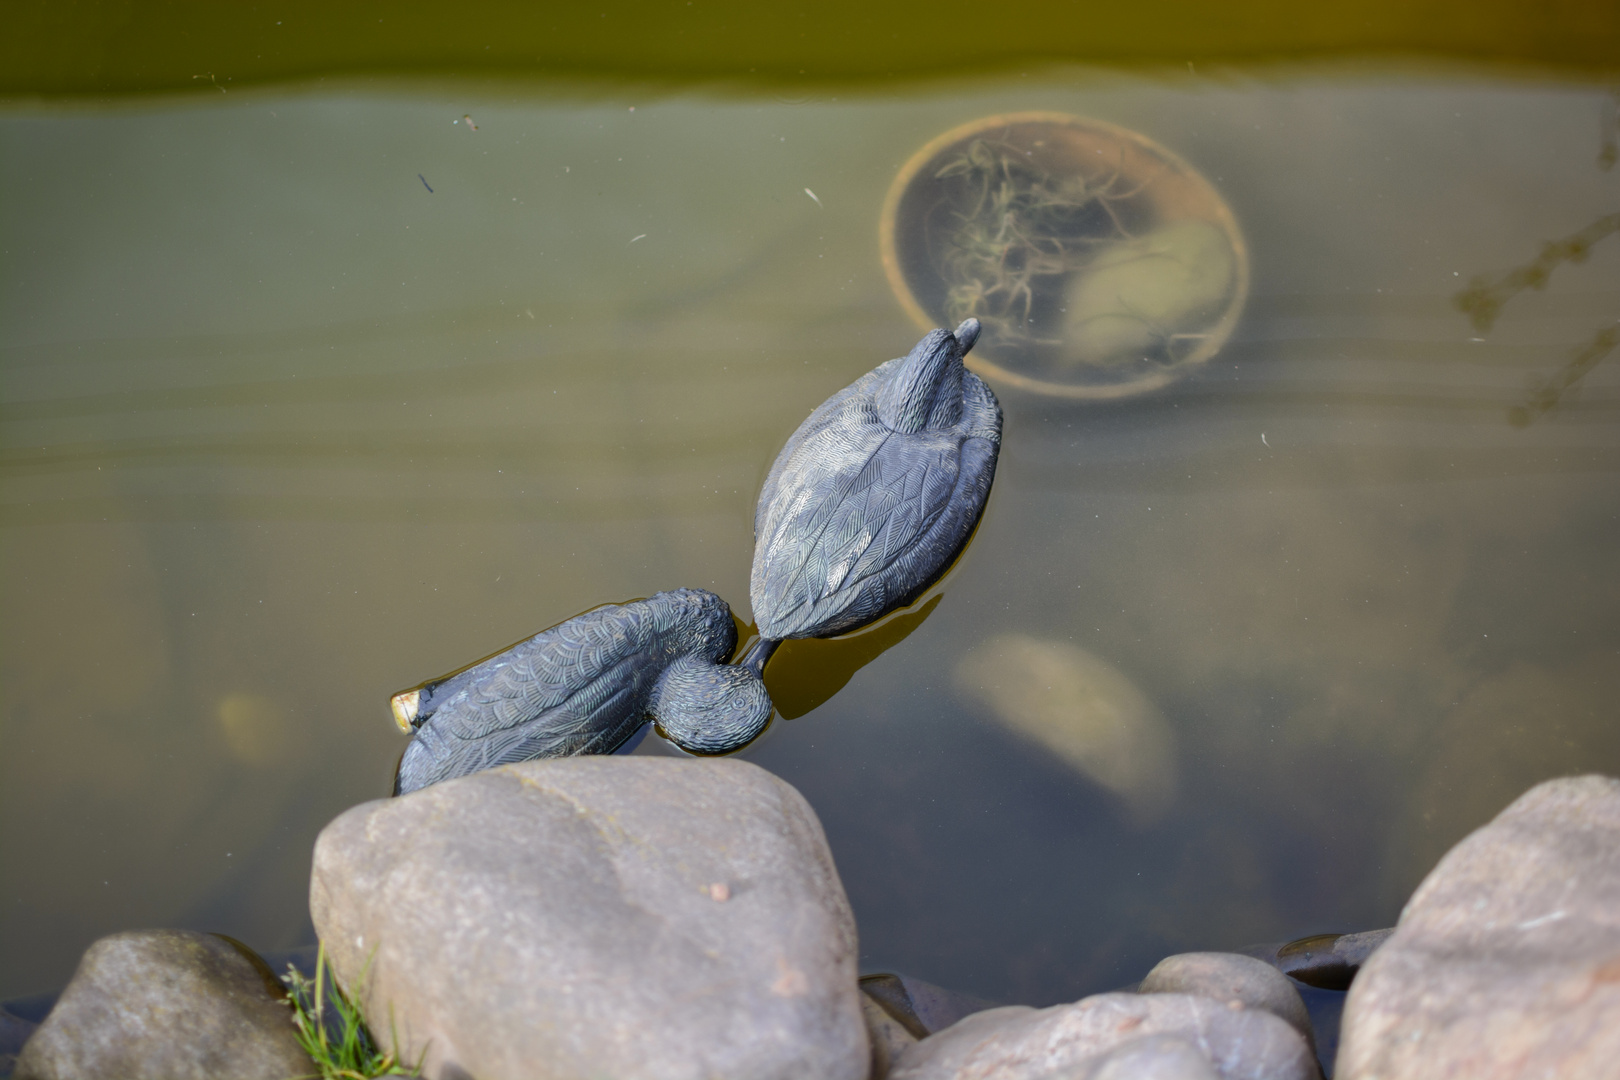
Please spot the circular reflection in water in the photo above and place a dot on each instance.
(1098, 262)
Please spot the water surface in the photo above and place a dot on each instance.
(307, 395)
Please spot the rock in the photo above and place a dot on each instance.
(1227, 977)
(920, 1007)
(167, 1005)
(945, 1055)
(900, 1010)
(1153, 1057)
(887, 1036)
(1325, 961)
(1136, 293)
(1354, 950)
(1080, 708)
(1071, 1041)
(1506, 961)
(560, 918)
(1320, 969)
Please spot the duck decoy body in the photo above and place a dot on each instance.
(586, 686)
(874, 495)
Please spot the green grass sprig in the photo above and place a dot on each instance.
(351, 1052)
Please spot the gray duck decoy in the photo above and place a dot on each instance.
(586, 686)
(874, 496)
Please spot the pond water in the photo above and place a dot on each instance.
(307, 395)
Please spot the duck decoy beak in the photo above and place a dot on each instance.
(405, 707)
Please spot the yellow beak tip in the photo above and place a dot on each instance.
(405, 706)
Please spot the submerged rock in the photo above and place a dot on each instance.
(886, 1034)
(1325, 961)
(167, 1005)
(1138, 294)
(606, 916)
(1506, 961)
(1098, 1035)
(920, 1007)
(1080, 708)
(901, 1009)
(1229, 977)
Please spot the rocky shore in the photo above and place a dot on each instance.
(661, 918)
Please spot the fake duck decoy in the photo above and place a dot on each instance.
(874, 496)
(586, 686)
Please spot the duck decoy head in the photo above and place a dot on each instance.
(708, 708)
(925, 389)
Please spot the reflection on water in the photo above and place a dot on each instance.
(806, 672)
(281, 431)
(255, 730)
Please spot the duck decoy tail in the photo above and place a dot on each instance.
(967, 334)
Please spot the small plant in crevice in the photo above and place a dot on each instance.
(332, 1030)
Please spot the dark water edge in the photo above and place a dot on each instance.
(65, 51)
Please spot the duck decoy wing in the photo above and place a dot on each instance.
(593, 720)
(833, 560)
(586, 664)
(841, 425)
(580, 687)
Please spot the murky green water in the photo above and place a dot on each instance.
(282, 431)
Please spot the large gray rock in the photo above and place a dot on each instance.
(1228, 977)
(1506, 961)
(597, 917)
(167, 1005)
(1153, 1057)
(1075, 1042)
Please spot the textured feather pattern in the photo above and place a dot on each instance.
(581, 687)
(857, 519)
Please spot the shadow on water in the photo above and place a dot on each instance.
(805, 674)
